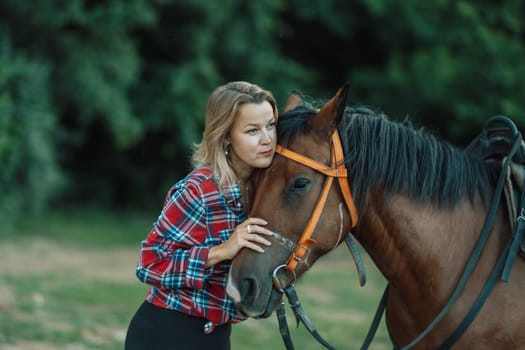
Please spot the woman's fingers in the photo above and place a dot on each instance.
(254, 242)
(250, 233)
(256, 221)
(256, 225)
(254, 237)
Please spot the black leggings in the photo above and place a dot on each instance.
(154, 327)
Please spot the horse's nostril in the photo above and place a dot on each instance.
(248, 290)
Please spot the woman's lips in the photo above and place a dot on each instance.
(266, 153)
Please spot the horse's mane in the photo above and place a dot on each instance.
(398, 158)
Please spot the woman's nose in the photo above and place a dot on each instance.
(266, 137)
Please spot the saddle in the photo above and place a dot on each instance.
(495, 142)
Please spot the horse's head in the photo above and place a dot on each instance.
(286, 196)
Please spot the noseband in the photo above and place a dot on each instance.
(336, 170)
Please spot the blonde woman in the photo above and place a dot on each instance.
(203, 225)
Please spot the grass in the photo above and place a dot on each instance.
(67, 282)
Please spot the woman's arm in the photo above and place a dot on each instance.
(170, 256)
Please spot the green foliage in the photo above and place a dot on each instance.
(448, 64)
(452, 64)
(29, 173)
(116, 90)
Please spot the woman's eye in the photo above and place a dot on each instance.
(252, 131)
(271, 126)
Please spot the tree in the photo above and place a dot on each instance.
(29, 169)
(126, 84)
(101, 101)
(447, 64)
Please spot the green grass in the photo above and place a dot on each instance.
(87, 228)
(68, 282)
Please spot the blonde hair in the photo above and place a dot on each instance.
(222, 109)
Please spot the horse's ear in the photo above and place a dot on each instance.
(341, 101)
(295, 99)
(332, 112)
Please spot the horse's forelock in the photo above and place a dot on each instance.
(292, 123)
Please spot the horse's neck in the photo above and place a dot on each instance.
(415, 245)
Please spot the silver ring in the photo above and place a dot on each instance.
(249, 229)
(277, 282)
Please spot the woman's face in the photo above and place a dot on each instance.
(252, 138)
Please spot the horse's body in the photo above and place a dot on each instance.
(421, 205)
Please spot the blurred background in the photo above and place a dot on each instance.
(101, 100)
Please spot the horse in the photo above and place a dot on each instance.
(418, 206)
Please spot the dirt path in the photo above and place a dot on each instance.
(43, 256)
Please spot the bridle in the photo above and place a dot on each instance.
(337, 170)
(301, 249)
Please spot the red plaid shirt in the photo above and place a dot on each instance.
(195, 217)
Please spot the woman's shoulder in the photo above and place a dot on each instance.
(201, 184)
(200, 175)
(201, 179)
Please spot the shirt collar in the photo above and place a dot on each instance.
(231, 193)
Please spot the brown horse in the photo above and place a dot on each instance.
(421, 205)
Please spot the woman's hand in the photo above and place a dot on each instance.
(248, 234)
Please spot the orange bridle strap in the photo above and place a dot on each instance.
(336, 170)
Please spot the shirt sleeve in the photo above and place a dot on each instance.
(174, 253)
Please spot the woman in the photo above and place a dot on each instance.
(203, 225)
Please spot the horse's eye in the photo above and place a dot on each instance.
(301, 184)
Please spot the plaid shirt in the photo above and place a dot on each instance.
(196, 216)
